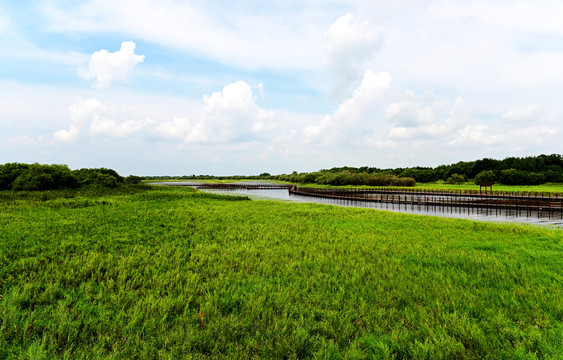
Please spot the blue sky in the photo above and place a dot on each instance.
(176, 87)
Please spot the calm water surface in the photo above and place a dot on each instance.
(443, 211)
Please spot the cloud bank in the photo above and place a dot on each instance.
(300, 85)
(227, 116)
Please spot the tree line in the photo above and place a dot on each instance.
(347, 177)
(531, 170)
(31, 177)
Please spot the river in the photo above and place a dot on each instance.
(548, 219)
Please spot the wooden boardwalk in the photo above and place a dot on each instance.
(226, 186)
(552, 203)
(495, 200)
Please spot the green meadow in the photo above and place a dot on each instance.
(552, 188)
(172, 273)
(545, 188)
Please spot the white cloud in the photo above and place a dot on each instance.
(94, 118)
(477, 135)
(175, 129)
(498, 56)
(529, 16)
(515, 138)
(349, 44)
(354, 116)
(69, 135)
(525, 115)
(110, 127)
(227, 116)
(230, 115)
(80, 113)
(106, 67)
(230, 33)
(534, 135)
(412, 111)
(422, 117)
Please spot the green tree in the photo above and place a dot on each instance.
(45, 177)
(485, 176)
(9, 173)
(132, 179)
(98, 178)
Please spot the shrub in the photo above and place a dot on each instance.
(455, 179)
(9, 173)
(45, 177)
(385, 180)
(405, 181)
(132, 179)
(98, 178)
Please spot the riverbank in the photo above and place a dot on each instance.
(171, 272)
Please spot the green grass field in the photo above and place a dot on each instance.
(170, 273)
(547, 187)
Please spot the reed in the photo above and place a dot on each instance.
(173, 273)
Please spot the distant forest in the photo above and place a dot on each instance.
(531, 170)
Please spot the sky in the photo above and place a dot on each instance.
(181, 87)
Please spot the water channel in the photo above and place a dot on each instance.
(473, 213)
(479, 214)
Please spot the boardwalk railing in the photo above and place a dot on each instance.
(227, 186)
(540, 202)
(442, 192)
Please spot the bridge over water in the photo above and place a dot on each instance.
(517, 203)
(226, 186)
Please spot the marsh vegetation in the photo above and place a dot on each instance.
(141, 272)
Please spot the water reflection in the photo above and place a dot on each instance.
(480, 214)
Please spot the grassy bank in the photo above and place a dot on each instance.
(172, 273)
(440, 185)
(547, 187)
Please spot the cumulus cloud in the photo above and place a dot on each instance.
(106, 67)
(90, 116)
(477, 134)
(525, 115)
(230, 115)
(418, 116)
(80, 113)
(111, 127)
(227, 116)
(176, 129)
(354, 116)
(349, 44)
(412, 111)
(525, 132)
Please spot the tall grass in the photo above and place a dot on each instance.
(173, 273)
